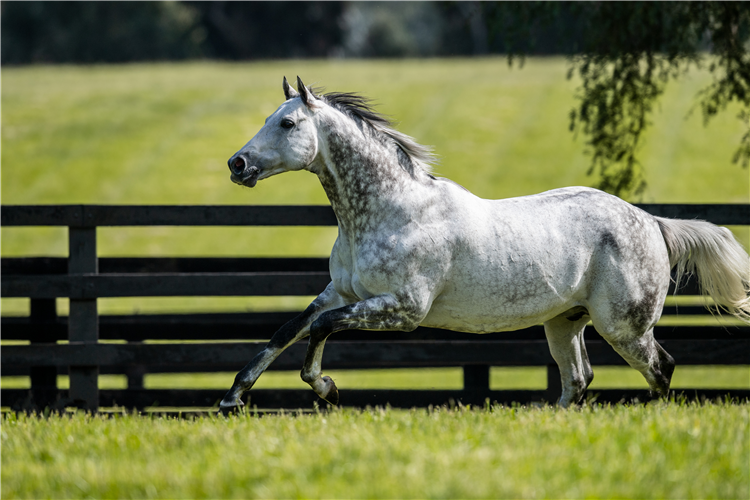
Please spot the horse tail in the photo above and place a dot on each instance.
(713, 253)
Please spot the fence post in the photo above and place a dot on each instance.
(135, 375)
(83, 319)
(43, 378)
(554, 383)
(476, 383)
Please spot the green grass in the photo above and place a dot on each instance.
(661, 450)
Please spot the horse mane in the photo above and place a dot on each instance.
(359, 107)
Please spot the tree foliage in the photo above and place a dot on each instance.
(625, 53)
(98, 32)
(269, 30)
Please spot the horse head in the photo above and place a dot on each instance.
(287, 142)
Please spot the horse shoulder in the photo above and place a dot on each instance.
(341, 268)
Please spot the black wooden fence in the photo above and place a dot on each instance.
(83, 277)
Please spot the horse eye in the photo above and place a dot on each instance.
(286, 123)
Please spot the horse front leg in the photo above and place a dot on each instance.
(380, 313)
(565, 338)
(294, 330)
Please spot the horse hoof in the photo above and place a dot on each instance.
(332, 396)
(229, 408)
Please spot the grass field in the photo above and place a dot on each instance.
(662, 450)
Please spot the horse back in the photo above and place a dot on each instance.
(521, 261)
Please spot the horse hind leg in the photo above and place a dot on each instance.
(630, 332)
(565, 338)
(648, 357)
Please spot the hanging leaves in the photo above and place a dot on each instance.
(624, 54)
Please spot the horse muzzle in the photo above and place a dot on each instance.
(242, 173)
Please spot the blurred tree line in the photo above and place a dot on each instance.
(108, 32)
(624, 53)
(111, 32)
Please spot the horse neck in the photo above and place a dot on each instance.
(364, 176)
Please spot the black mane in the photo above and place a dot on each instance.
(359, 107)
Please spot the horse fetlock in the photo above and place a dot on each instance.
(661, 376)
(659, 384)
(309, 377)
(573, 392)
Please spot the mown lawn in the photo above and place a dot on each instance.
(661, 450)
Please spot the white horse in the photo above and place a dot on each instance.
(414, 249)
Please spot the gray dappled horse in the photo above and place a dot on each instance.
(414, 249)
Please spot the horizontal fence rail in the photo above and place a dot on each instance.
(243, 326)
(167, 215)
(92, 286)
(366, 354)
(276, 215)
(83, 278)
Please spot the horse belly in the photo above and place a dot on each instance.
(502, 301)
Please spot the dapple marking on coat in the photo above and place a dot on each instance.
(414, 249)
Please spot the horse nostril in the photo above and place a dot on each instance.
(238, 166)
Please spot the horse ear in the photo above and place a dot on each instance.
(289, 92)
(307, 97)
